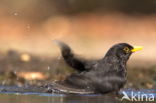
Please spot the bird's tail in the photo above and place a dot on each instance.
(69, 56)
(65, 49)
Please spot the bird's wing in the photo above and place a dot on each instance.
(95, 81)
(71, 59)
(108, 83)
(57, 87)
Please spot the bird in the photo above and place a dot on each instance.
(105, 75)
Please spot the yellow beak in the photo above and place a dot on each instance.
(137, 48)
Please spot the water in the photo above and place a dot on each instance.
(55, 98)
(31, 97)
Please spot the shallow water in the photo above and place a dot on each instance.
(55, 98)
(31, 97)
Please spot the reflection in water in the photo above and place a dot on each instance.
(91, 99)
(50, 98)
(59, 98)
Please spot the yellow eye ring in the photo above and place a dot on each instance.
(126, 49)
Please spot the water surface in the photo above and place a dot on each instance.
(32, 97)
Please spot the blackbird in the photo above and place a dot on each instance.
(108, 74)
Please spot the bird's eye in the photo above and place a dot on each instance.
(126, 49)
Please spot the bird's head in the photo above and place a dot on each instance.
(122, 51)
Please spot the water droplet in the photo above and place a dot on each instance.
(17, 78)
(15, 14)
(48, 67)
(4, 82)
(28, 26)
(15, 72)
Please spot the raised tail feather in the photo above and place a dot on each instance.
(70, 58)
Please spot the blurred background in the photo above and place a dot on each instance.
(90, 27)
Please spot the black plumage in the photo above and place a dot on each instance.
(79, 64)
(105, 75)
